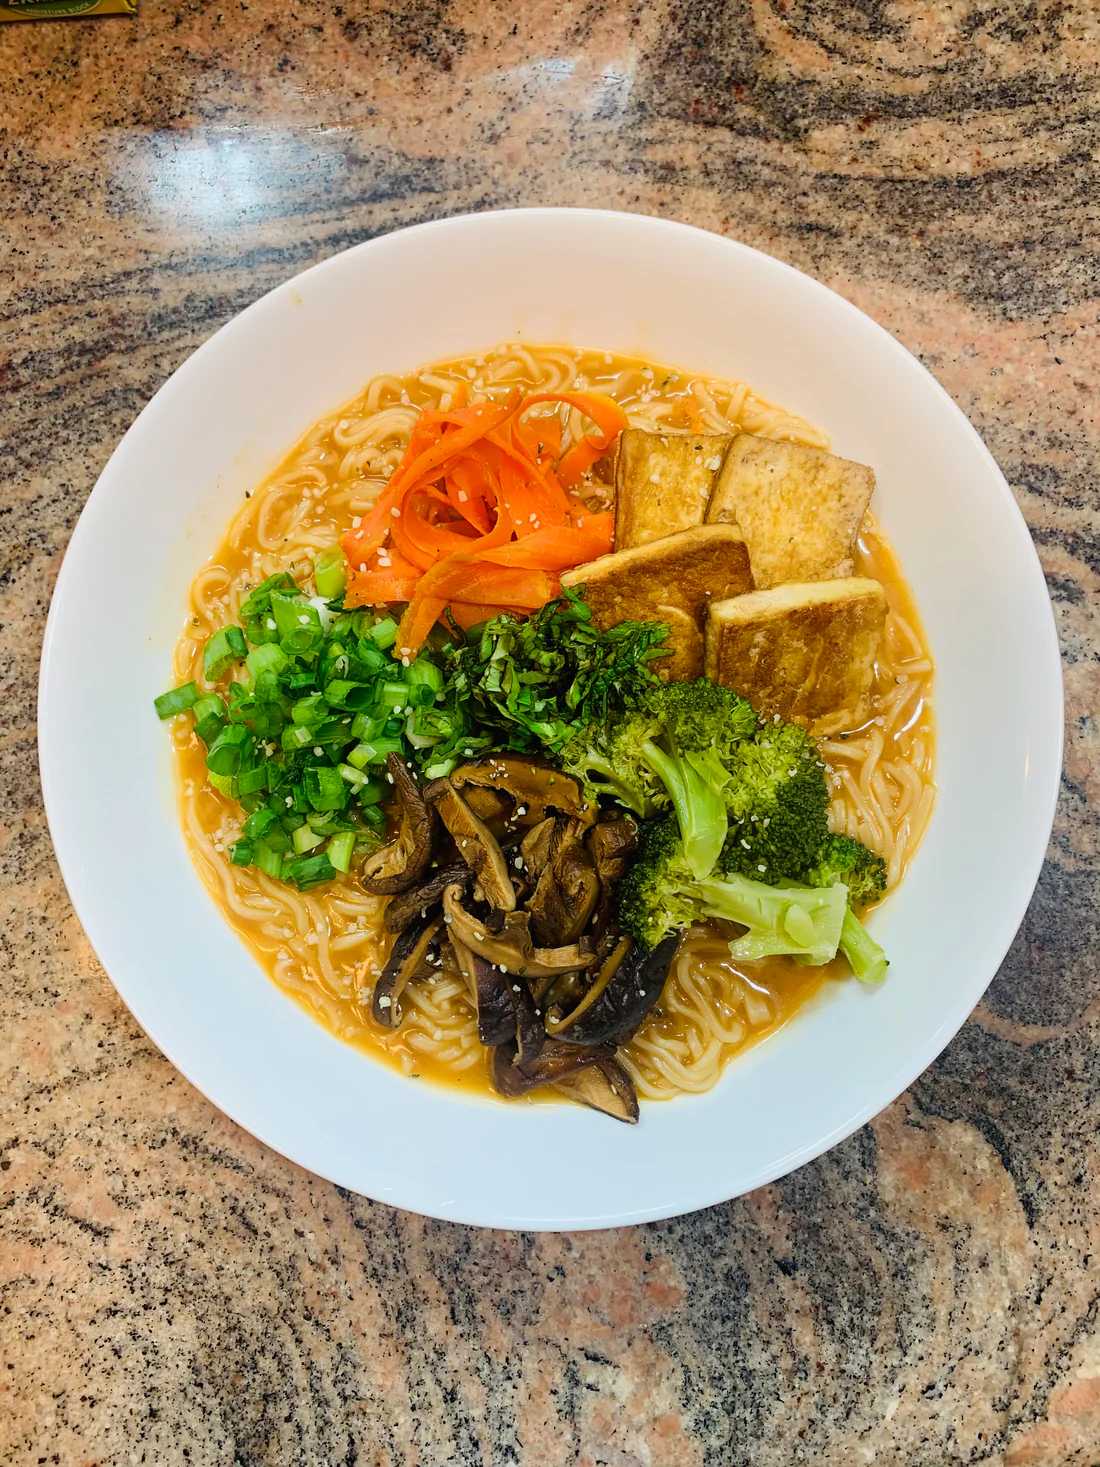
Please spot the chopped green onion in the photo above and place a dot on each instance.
(373, 751)
(225, 646)
(310, 711)
(298, 622)
(425, 674)
(268, 658)
(277, 840)
(270, 862)
(325, 789)
(438, 769)
(209, 714)
(258, 602)
(384, 633)
(225, 784)
(329, 574)
(295, 736)
(340, 848)
(364, 727)
(260, 822)
(370, 658)
(242, 853)
(393, 695)
(251, 781)
(307, 871)
(304, 839)
(226, 750)
(343, 693)
(177, 700)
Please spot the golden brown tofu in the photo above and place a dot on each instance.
(663, 482)
(798, 508)
(805, 650)
(684, 643)
(685, 571)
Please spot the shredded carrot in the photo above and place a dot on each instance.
(479, 515)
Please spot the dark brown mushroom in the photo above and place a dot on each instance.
(553, 1063)
(477, 846)
(610, 843)
(626, 986)
(529, 1033)
(492, 994)
(491, 806)
(511, 947)
(593, 1077)
(407, 960)
(402, 861)
(537, 846)
(567, 891)
(605, 1086)
(535, 788)
(421, 899)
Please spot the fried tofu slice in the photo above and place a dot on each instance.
(684, 646)
(671, 580)
(687, 571)
(798, 508)
(663, 482)
(805, 650)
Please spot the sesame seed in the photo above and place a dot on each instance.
(270, 623)
(761, 867)
(384, 1002)
(356, 521)
(395, 512)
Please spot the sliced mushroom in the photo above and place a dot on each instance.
(511, 948)
(535, 788)
(529, 1031)
(566, 894)
(421, 899)
(537, 846)
(491, 991)
(476, 845)
(610, 843)
(402, 861)
(405, 962)
(492, 806)
(626, 986)
(555, 1062)
(605, 1086)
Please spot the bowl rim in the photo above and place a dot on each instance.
(97, 507)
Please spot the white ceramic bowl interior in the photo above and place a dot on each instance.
(613, 281)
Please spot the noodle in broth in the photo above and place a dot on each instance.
(326, 946)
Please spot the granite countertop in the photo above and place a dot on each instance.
(927, 1293)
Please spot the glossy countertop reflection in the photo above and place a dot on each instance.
(172, 1291)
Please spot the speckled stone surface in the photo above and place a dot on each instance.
(927, 1293)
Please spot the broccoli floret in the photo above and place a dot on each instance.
(653, 898)
(607, 759)
(865, 957)
(672, 750)
(843, 859)
(660, 894)
(704, 722)
(778, 804)
(864, 874)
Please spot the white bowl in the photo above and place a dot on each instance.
(614, 281)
